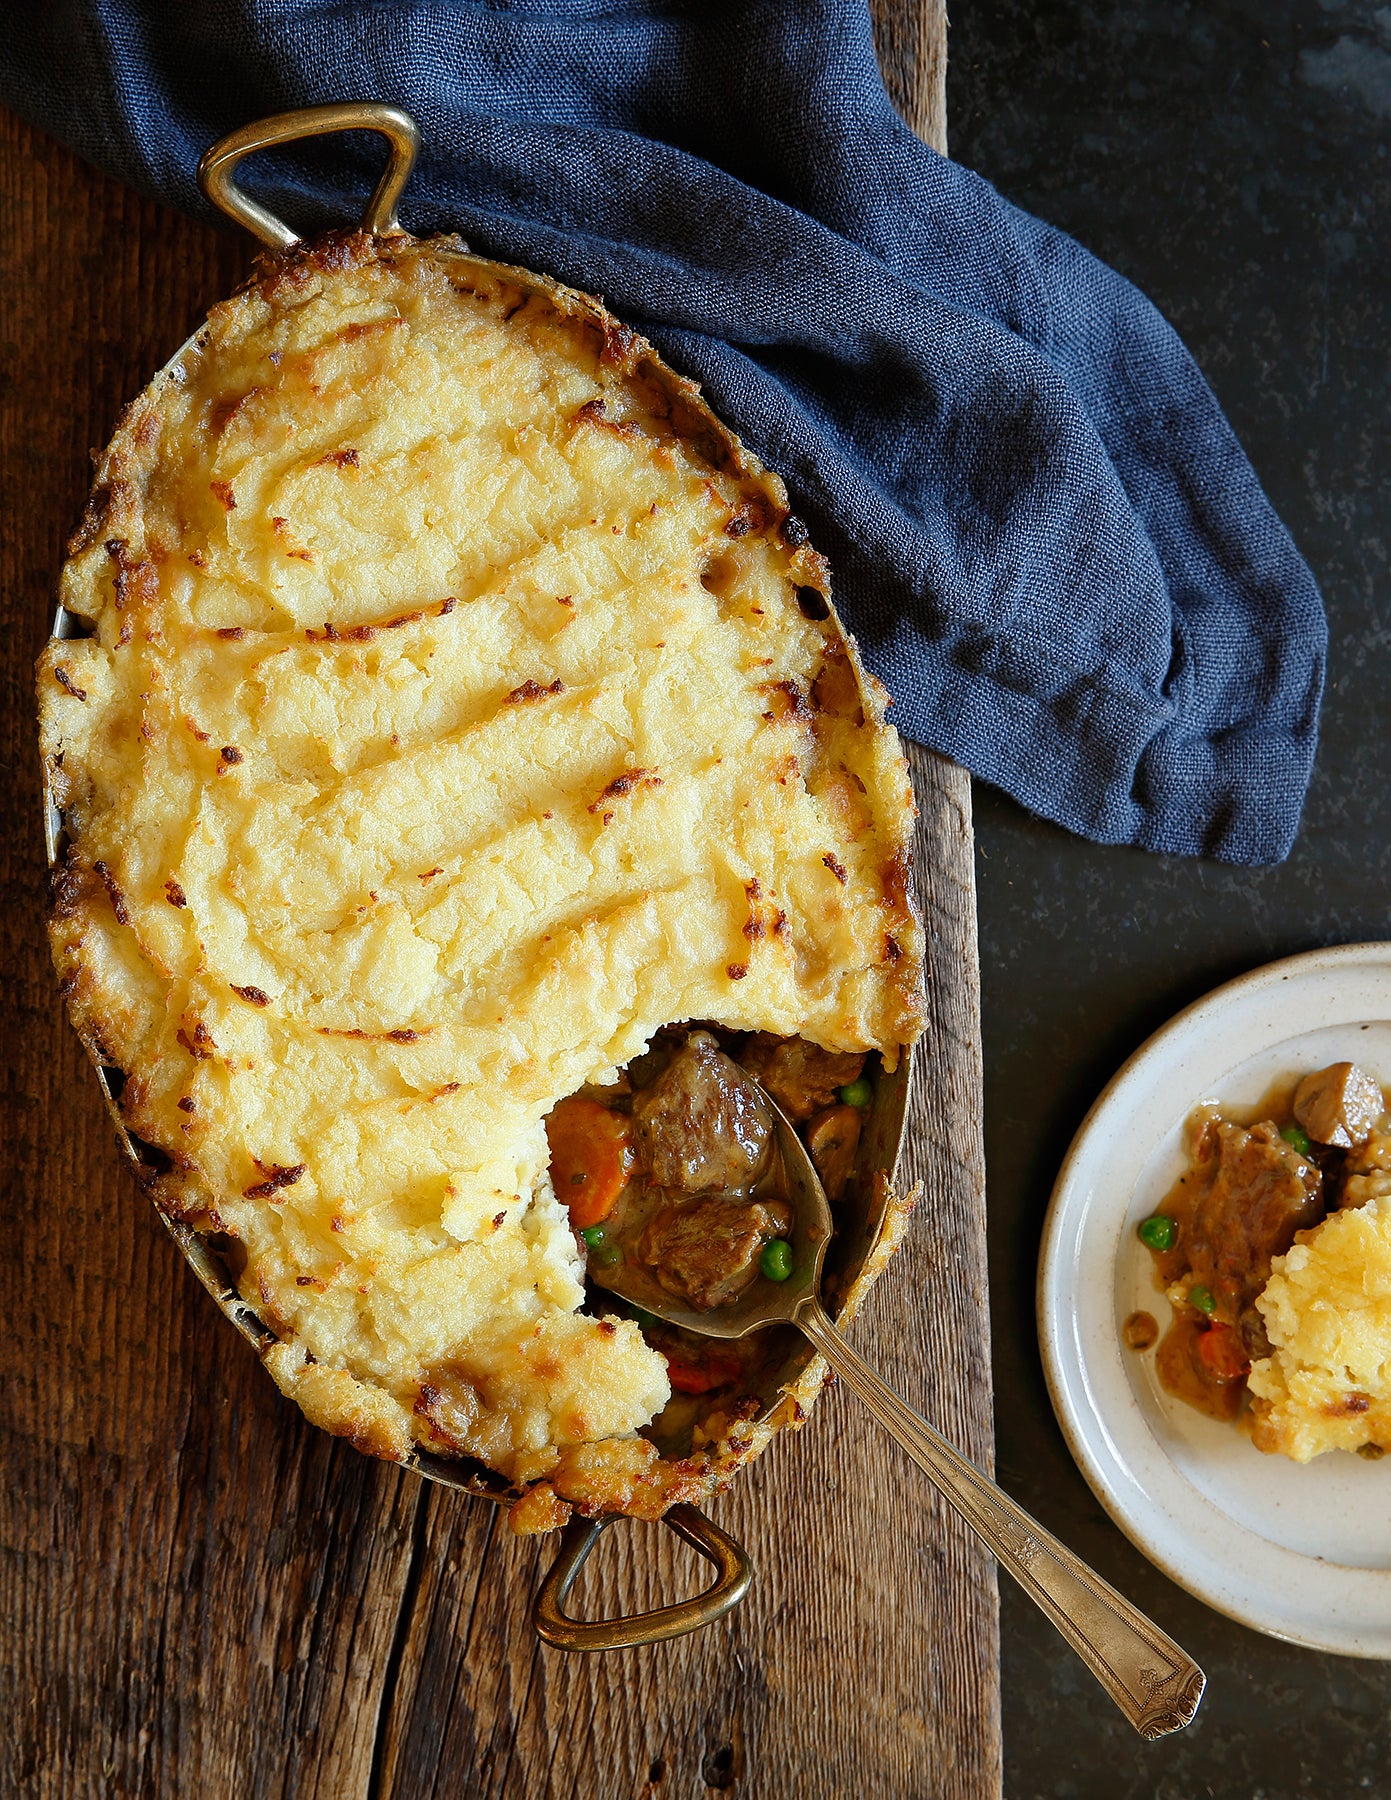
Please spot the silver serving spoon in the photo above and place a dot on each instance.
(1153, 1682)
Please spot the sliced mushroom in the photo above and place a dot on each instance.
(833, 1137)
(1338, 1105)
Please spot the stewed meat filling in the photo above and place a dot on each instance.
(1237, 1208)
(1246, 1193)
(673, 1172)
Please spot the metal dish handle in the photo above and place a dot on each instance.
(218, 164)
(563, 1632)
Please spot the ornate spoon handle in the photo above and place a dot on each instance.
(1153, 1682)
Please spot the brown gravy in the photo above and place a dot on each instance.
(1184, 1374)
(1238, 1204)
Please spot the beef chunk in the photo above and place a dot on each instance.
(803, 1078)
(705, 1252)
(1338, 1105)
(1239, 1206)
(702, 1124)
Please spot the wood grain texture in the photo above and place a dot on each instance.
(912, 39)
(201, 1595)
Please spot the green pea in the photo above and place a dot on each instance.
(643, 1319)
(776, 1260)
(858, 1093)
(607, 1255)
(1201, 1297)
(594, 1235)
(1159, 1232)
(1299, 1137)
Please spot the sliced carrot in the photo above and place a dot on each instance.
(591, 1158)
(1222, 1354)
(699, 1378)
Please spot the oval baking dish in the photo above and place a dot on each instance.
(871, 1217)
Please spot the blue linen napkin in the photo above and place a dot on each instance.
(1042, 528)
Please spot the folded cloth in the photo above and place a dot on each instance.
(1042, 528)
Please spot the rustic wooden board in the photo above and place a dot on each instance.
(199, 1594)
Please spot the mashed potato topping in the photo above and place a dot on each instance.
(462, 705)
(1327, 1311)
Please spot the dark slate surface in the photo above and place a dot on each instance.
(1232, 158)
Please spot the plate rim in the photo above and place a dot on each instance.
(1053, 1321)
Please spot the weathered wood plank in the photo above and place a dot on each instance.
(912, 40)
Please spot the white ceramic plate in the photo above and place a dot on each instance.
(1302, 1553)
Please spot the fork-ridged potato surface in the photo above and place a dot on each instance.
(461, 706)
